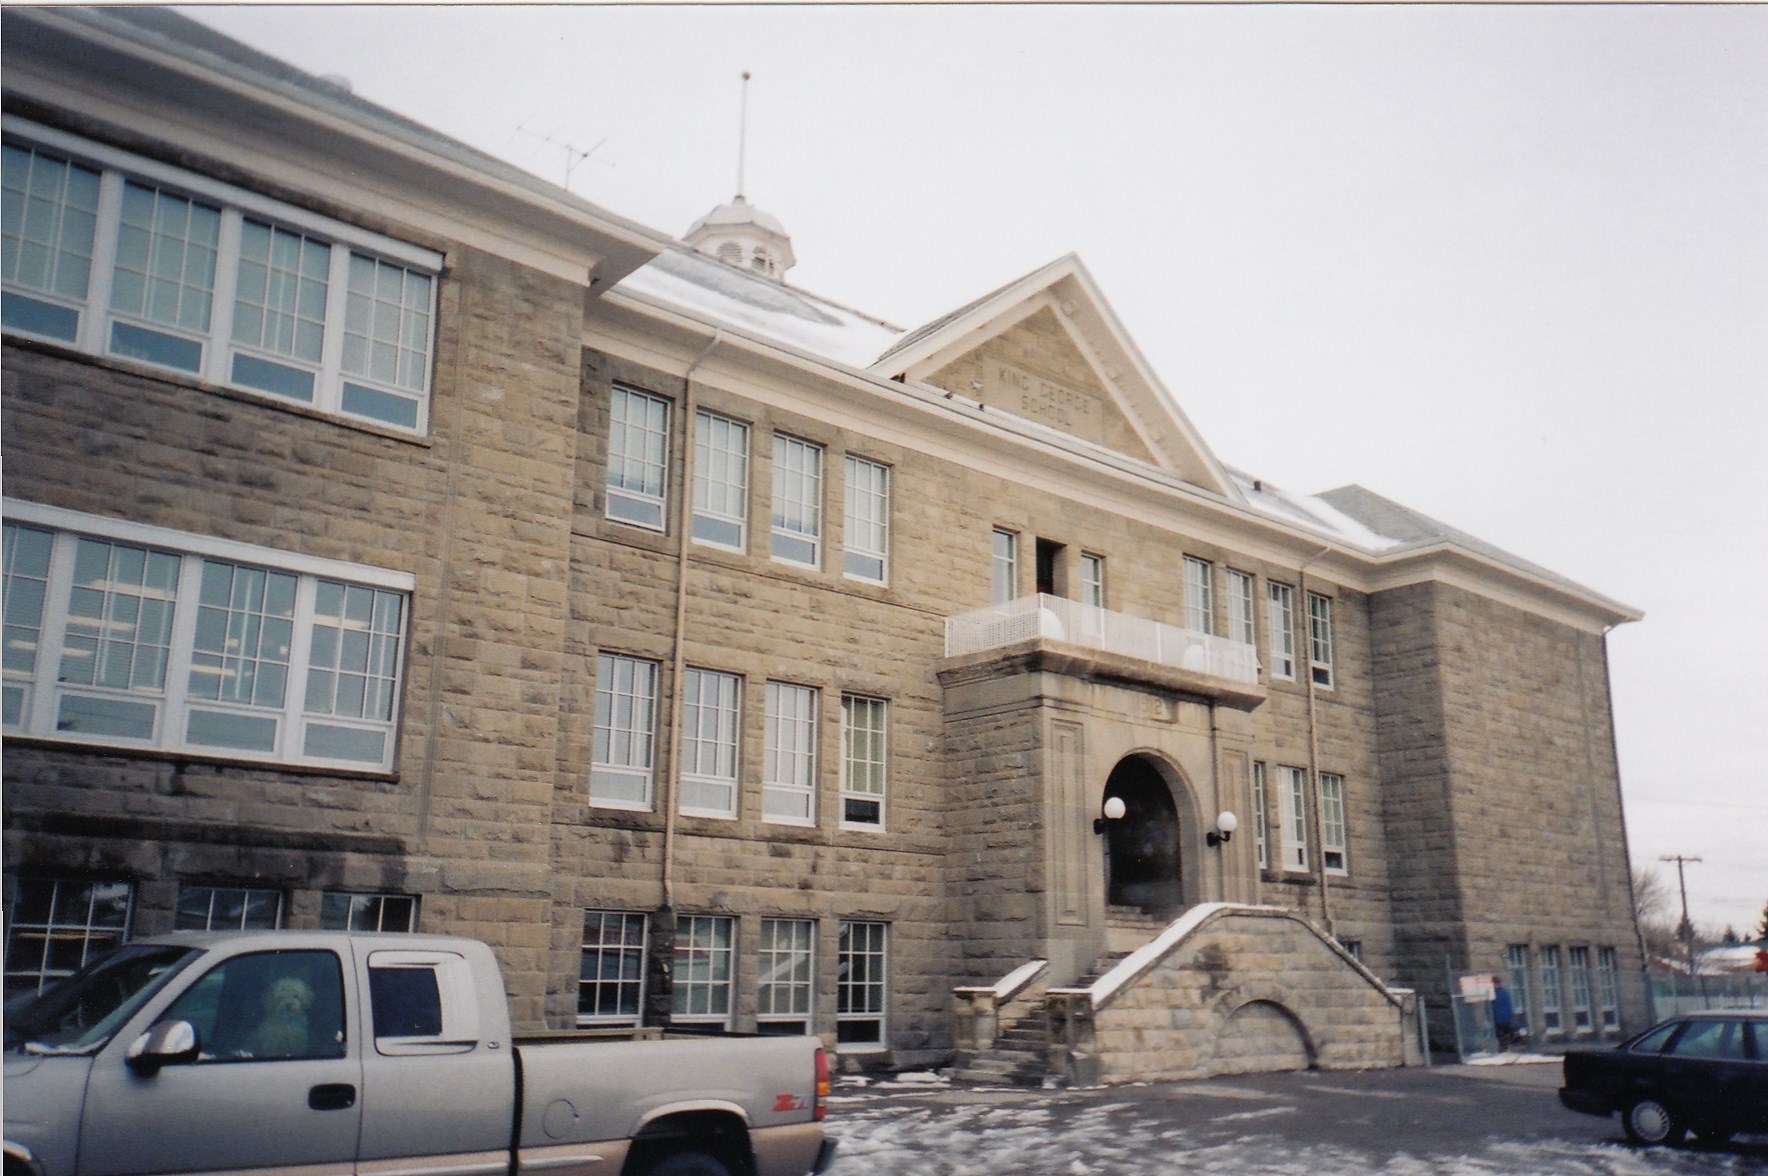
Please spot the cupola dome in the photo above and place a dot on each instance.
(742, 235)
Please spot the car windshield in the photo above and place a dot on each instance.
(80, 1013)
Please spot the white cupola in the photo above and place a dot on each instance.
(742, 235)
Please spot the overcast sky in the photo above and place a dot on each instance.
(1507, 265)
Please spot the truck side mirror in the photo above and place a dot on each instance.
(166, 1043)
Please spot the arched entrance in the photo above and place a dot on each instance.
(1142, 849)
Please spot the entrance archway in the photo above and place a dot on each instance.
(1142, 849)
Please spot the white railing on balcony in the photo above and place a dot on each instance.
(1099, 628)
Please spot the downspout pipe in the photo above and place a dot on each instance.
(1313, 782)
(668, 777)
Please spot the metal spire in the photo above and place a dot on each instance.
(742, 133)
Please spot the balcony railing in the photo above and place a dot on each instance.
(1061, 619)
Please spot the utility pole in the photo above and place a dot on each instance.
(1687, 928)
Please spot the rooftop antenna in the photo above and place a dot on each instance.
(574, 154)
(742, 133)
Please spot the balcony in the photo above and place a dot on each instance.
(1056, 619)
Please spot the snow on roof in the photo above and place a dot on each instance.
(709, 289)
(1310, 511)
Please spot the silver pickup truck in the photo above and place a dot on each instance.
(334, 1054)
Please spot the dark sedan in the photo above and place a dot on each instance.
(1703, 1072)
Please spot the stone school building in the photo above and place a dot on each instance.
(396, 541)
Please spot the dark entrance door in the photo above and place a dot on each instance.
(1142, 849)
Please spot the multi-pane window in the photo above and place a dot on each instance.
(860, 984)
(118, 255)
(131, 637)
(797, 501)
(1004, 567)
(1608, 992)
(863, 764)
(54, 926)
(1293, 811)
(1199, 596)
(1280, 601)
(638, 457)
(227, 908)
(1332, 828)
(710, 709)
(1320, 638)
(1516, 961)
(703, 955)
(1240, 607)
(1261, 833)
(611, 970)
(625, 725)
(1092, 580)
(1550, 1006)
(721, 481)
(788, 780)
(343, 911)
(866, 531)
(787, 980)
(1578, 960)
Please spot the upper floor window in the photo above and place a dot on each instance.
(625, 726)
(866, 532)
(710, 709)
(141, 637)
(1293, 810)
(788, 779)
(1281, 602)
(638, 457)
(118, 255)
(1004, 567)
(1199, 597)
(1261, 833)
(721, 481)
(1092, 580)
(1320, 638)
(1240, 607)
(863, 763)
(797, 501)
(1332, 826)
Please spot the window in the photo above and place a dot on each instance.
(867, 529)
(1332, 831)
(1516, 960)
(1320, 638)
(1550, 1010)
(1005, 567)
(787, 956)
(611, 974)
(1281, 604)
(267, 1006)
(710, 707)
(638, 457)
(227, 908)
(119, 255)
(55, 926)
(1292, 800)
(721, 481)
(1579, 959)
(859, 985)
(1352, 948)
(863, 766)
(1092, 581)
(1199, 599)
(625, 721)
(142, 637)
(1607, 989)
(703, 954)
(1240, 608)
(1261, 832)
(788, 782)
(797, 501)
(340, 911)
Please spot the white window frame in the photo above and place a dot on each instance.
(367, 911)
(1320, 639)
(629, 952)
(865, 759)
(339, 387)
(862, 986)
(1199, 595)
(1003, 566)
(704, 972)
(865, 534)
(1552, 1010)
(1261, 831)
(196, 909)
(625, 747)
(1516, 961)
(1293, 812)
(721, 481)
(711, 730)
(638, 458)
(33, 946)
(788, 778)
(38, 691)
(1280, 602)
(797, 501)
(1334, 852)
(786, 983)
(1583, 1009)
(1608, 989)
(1241, 627)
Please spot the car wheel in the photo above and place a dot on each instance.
(1649, 1121)
(690, 1163)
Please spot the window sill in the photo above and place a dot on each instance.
(85, 747)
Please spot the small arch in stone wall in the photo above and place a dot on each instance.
(1260, 1035)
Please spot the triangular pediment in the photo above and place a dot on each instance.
(1048, 348)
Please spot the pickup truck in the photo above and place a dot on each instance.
(338, 1054)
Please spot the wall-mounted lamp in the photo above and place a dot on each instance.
(1113, 811)
(1226, 823)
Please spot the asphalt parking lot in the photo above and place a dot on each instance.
(1448, 1120)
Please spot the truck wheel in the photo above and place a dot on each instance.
(1650, 1120)
(688, 1163)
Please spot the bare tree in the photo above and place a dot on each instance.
(1656, 912)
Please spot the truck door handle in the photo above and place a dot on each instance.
(332, 1096)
